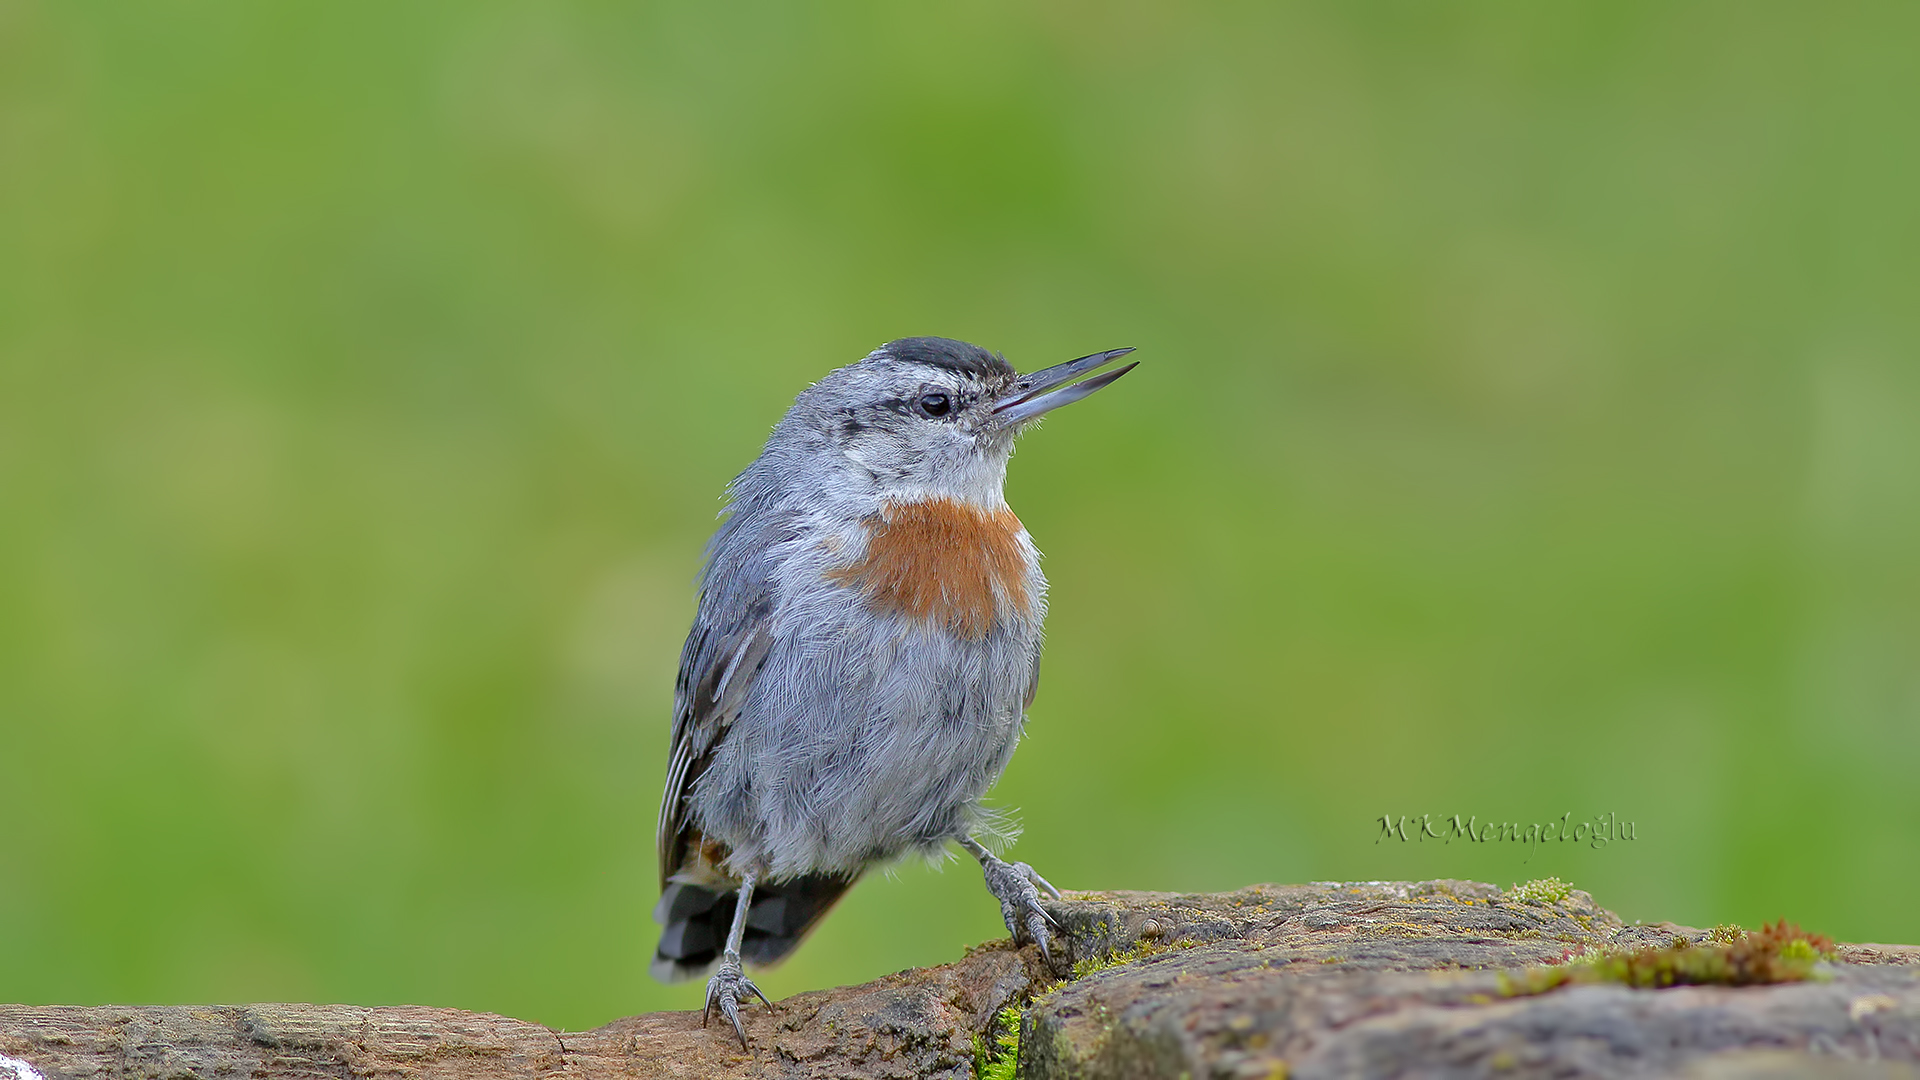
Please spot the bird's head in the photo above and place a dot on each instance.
(932, 417)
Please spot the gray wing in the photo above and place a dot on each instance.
(724, 654)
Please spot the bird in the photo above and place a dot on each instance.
(864, 650)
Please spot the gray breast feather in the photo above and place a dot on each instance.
(833, 736)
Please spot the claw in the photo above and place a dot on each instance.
(1014, 885)
(1033, 876)
(725, 989)
(1037, 929)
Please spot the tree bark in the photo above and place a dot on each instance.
(1309, 980)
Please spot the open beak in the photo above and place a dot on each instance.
(1049, 388)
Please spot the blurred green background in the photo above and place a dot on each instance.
(1528, 423)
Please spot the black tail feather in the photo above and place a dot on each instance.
(695, 920)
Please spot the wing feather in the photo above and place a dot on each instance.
(723, 656)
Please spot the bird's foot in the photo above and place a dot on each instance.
(1014, 885)
(727, 990)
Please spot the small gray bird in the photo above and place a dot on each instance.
(866, 646)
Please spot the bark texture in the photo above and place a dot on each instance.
(1363, 979)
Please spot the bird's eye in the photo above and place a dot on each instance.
(935, 404)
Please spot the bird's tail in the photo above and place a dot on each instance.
(695, 919)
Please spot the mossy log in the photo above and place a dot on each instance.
(1363, 979)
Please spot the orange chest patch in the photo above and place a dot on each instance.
(942, 560)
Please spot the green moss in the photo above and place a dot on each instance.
(1803, 951)
(1726, 934)
(1550, 890)
(1772, 954)
(998, 1062)
(1139, 950)
(1582, 955)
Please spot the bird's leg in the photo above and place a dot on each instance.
(730, 984)
(1014, 885)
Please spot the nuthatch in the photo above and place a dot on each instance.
(865, 649)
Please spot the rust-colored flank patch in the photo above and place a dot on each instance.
(942, 560)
